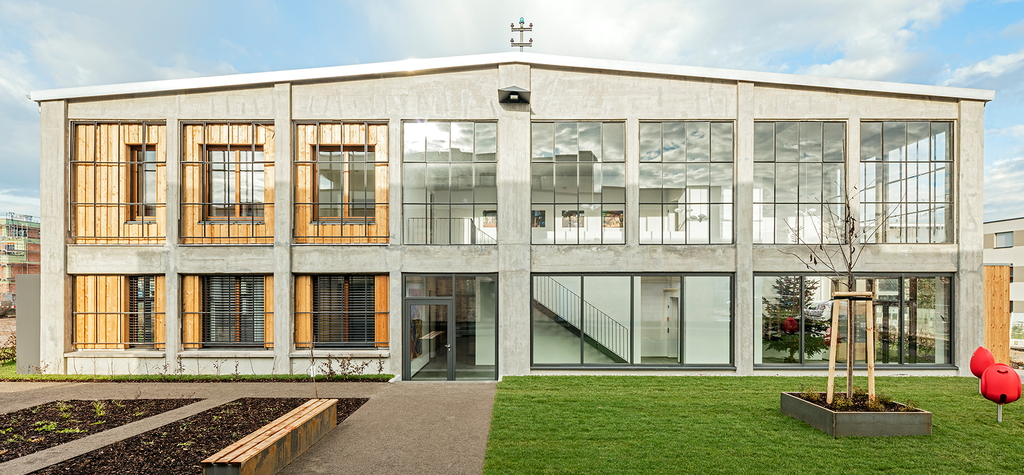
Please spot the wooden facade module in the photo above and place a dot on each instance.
(997, 312)
(192, 311)
(310, 226)
(240, 225)
(102, 312)
(304, 310)
(106, 206)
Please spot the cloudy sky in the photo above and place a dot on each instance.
(56, 44)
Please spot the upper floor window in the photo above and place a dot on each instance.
(906, 176)
(686, 182)
(449, 179)
(578, 183)
(799, 180)
(144, 182)
(235, 182)
(1004, 239)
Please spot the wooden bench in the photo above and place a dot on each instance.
(273, 446)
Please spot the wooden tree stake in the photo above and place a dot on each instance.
(869, 309)
(833, 344)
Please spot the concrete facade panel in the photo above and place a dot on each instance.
(117, 260)
(242, 104)
(775, 102)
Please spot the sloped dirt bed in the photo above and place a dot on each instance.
(179, 447)
(47, 425)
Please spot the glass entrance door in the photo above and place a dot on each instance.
(428, 340)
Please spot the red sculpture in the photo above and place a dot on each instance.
(790, 325)
(981, 360)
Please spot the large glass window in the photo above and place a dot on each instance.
(906, 175)
(578, 183)
(799, 181)
(341, 311)
(912, 320)
(686, 177)
(236, 182)
(227, 311)
(449, 179)
(644, 319)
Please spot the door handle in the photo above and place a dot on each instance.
(447, 347)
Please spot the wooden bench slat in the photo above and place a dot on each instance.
(266, 436)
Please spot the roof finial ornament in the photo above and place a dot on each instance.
(521, 29)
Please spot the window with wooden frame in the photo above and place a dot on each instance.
(234, 182)
(143, 182)
(345, 183)
(118, 183)
(118, 312)
(341, 183)
(227, 311)
(341, 311)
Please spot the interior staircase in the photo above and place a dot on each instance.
(581, 318)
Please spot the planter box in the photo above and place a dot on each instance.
(861, 424)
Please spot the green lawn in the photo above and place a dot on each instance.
(633, 424)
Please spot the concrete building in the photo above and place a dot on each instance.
(1004, 244)
(19, 253)
(504, 214)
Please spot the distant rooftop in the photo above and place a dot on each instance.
(418, 66)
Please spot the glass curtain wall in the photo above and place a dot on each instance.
(449, 182)
(912, 320)
(799, 181)
(686, 182)
(905, 172)
(644, 319)
(578, 183)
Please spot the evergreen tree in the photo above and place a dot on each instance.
(782, 319)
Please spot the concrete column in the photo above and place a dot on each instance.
(514, 225)
(743, 293)
(172, 281)
(284, 286)
(55, 296)
(968, 294)
(396, 232)
(854, 187)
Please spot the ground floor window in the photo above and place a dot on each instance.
(118, 312)
(228, 311)
(642, 319)
(912, 320)
(341, 311)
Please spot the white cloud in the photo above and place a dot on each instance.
(989, 71)
(13, 202)
(1016, 29)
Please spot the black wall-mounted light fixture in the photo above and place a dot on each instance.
(513, 94)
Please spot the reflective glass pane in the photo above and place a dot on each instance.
(816, 319)
(777, 301)
(894, 141)
(786, 224)
(614, 139)
(886, 308)
(918, 141)
(542, 182)
(485, 183)
(613, 182)
(833, 140)
(926, 313)
(698, 175)
(764, 141)
(674, 141)
(942, 145)
(650, 224)
(476, 317)
(832, 182)
(438, 141)
(461, 183)
(439, 224)
(787, 141)
(870, 141)
(721, 142)
(721, 182)
(650, 182)
(542, 224)
(656, 309)
(721, 223)
(810, 141)
(438, 182)
(565, 183)
(415, 224)
(707, 320)
(698, 141)
(414, 141)
(486, 141)
(556, 312)
(650, 141)
(462, 141)
(463, 226)
(787, 176)
(764, 182)
(414, 187)
(486, 217)
(566, 141)
(606, 319)
(810, 182)
(590, 141)
(674, 182)
(543, 139)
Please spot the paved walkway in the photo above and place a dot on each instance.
(406, 427)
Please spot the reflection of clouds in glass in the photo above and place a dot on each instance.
(414, 137)
(698, 142)
(438, 136)
(650, 142)
(590, 138)
(674, 176)
(543, 139)
(462, 136)
(674, 140)
(764, 141)
(566, 139)
(786, 179)
(613, 142)
(486, 134)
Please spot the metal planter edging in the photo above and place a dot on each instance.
(861, 424)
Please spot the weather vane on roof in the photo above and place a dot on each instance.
(521, 29)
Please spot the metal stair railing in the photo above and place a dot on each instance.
(596, 326)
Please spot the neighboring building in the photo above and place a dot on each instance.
(1004, 244)
(470, 217)
(19, 253)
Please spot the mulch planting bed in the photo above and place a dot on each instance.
(179, 447)
(41, 427)
(859, 403)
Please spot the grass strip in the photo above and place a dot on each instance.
(8, 373)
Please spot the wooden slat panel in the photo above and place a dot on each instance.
(191, 301)
(380, 299)
(303, 307)
(268, 311)
(160, 310)
(997, 312)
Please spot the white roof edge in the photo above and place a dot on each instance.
(413, 65)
